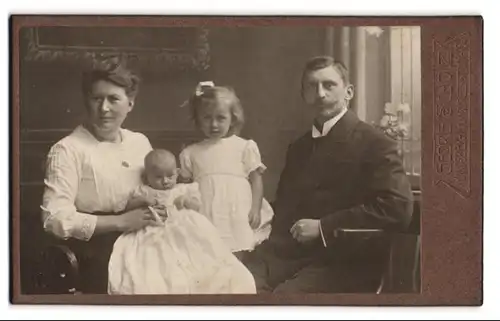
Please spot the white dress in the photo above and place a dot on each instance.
(221, 167)
(183, 256)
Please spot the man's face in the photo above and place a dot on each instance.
(325, 91)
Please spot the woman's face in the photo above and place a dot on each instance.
(108, 106)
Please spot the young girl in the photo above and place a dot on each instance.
(183, 254)
(228, 170)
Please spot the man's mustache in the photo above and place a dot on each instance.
(321, 103)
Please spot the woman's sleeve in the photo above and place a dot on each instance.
(251, 158)
(59, 213)
(185, 164)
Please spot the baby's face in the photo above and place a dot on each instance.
(162, 176)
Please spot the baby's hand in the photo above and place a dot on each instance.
(187, 202)
(179, 202)
(184, 177)
(192, 203)
(254, 219)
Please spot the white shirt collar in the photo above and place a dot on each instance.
(328, 125)
(86, 132)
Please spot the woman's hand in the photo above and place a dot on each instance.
(254, 219)
(143, 200)
(140, 201)
(162, 211)
(136, 219)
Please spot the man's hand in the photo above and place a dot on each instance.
(305, 230)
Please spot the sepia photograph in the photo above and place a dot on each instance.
(198, 157)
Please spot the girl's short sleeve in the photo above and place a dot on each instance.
(185, 164)
(251, 158)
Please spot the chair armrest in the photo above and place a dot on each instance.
(68, 254)
(58, 270)
(363, 233)
(372, 244)
(402, 270)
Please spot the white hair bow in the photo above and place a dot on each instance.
(202, 85)
(199, 90)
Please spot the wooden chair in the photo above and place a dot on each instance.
(402, 272)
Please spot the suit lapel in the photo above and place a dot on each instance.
(314, 156)
(343, 128)
(334, 144)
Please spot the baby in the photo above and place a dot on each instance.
(183, 253)
(161, 188)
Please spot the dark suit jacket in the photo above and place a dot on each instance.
(351, 178)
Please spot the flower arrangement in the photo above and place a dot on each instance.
(393, 122)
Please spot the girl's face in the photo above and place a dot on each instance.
(107, 106)
(215, 120)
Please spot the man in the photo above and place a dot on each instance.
(342, 174)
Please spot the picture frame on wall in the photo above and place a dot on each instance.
(149, 48)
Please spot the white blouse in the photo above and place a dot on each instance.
(84, 176)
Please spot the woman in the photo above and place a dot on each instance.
(91, 172)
